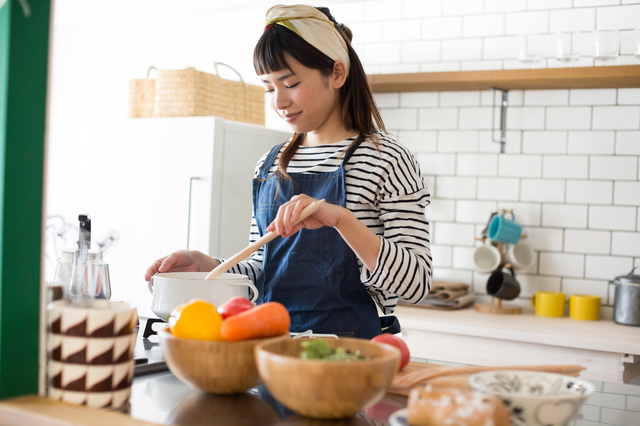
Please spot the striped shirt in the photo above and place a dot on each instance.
(385, 191)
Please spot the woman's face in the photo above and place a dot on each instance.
(302, 97)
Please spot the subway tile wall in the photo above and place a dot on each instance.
(571, 167)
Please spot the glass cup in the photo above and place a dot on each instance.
(606, 45)
(636, 32)
(568, 46)
(530, 48)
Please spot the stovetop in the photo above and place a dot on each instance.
(147, 353)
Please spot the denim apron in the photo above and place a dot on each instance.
(314, 273)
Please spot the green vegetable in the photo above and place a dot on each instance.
(319, 349)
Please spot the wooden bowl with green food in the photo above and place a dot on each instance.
(327, 388)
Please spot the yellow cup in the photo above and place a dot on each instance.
(548, 303)
(584, 307)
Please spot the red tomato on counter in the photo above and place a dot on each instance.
(392, 340)
(233, 306)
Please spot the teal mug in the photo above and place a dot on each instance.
(504, 230)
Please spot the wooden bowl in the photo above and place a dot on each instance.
(327, 389)
(215, 367)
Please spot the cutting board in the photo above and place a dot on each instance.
(41, 411)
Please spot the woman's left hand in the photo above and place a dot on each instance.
(289, 212)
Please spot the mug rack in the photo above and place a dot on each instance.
(497, 307)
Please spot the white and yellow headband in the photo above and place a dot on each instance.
(313, 27)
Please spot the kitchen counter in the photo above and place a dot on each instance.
(609, 351)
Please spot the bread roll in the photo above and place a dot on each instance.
(454, 407)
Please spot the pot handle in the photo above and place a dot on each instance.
(251, 286)
(633, 270)
(150, 285)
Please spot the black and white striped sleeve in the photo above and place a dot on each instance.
(403, 268)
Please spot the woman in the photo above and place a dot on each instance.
(368, 244)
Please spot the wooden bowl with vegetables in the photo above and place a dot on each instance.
(212, 348)
(332, 378)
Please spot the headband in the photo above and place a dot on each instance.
(313, 27)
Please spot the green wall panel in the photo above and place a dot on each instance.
(24, 43)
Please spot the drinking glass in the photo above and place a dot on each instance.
(637, 49)
(568, 46)
(530, 48)
(606, 44)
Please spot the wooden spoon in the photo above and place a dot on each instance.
(233, 260)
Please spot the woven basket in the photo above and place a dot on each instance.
(142, 96)
(188, 92)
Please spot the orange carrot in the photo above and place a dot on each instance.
(266, 320)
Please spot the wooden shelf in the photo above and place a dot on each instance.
(528, 79)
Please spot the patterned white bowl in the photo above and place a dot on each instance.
(535, 398)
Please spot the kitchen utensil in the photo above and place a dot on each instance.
(426, 374)
(504, 230)
(216, 367)
(327, 389)
(548, 303)
(486, 258)
(233, 260)
(606, 44)
(535, 398)
(502, 285)
(626, 306)
(584, 307)
(520, 255)
(171, 289)
(95, 275)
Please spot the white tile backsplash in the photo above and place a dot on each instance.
(419, 140)
(626, 193)
(546, 97)
(420, 51)
(511, 165)
(475, 118)
(526, 214)
(541, 142)
(564, 215)
(437, 164)
(572, 118)
(612, 217)
(418, 99)
(561, 264)
(455, 187)
(421, 8)
(462, 49)
(458, 234)
(607, 267)
(617, 18)
(402, 30)
(468, 98)
(629, 96)
(592, 142)
(579, 286)
(527, 22)
(548, 4)
(531, 118)
(625, 243)
(400, 118)
(457, 141)
(500, 48)
(530, 284)
(589, 192)
(592, 96)
(628, 142)
(547, 239)
(469, 211)
(572, 20)
(461, 7)
(498, 189)
(491, 6)
(441, 28)
(441, 210)
(616, 117)
(463, 257)
(483, 25)
(378, 10)
(591, 242)
(565, 166)
(476, 164)
(442, 255)
(438, 118)
(549, 190)
(613, 167)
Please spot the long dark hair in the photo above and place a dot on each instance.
(359, 111)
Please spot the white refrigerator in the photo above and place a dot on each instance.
(161, 184)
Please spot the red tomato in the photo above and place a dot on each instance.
(392, 340)
(233, 306)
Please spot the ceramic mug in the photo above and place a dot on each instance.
(549, 303)
(502, 285)
(504, 230)
(520, 255)
(486, 258)
(584, 307)
(171, 289)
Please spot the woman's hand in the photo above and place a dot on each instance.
(289, 212)
(182, 261)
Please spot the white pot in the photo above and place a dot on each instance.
(175, 288)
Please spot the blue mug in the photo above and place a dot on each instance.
(504, 230)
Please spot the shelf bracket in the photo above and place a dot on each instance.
(503, 118)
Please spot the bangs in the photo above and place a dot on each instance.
(268, 56)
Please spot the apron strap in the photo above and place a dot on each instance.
(350, 152)
(266, 166)
(390, 324)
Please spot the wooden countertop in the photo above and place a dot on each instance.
(603, 335)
